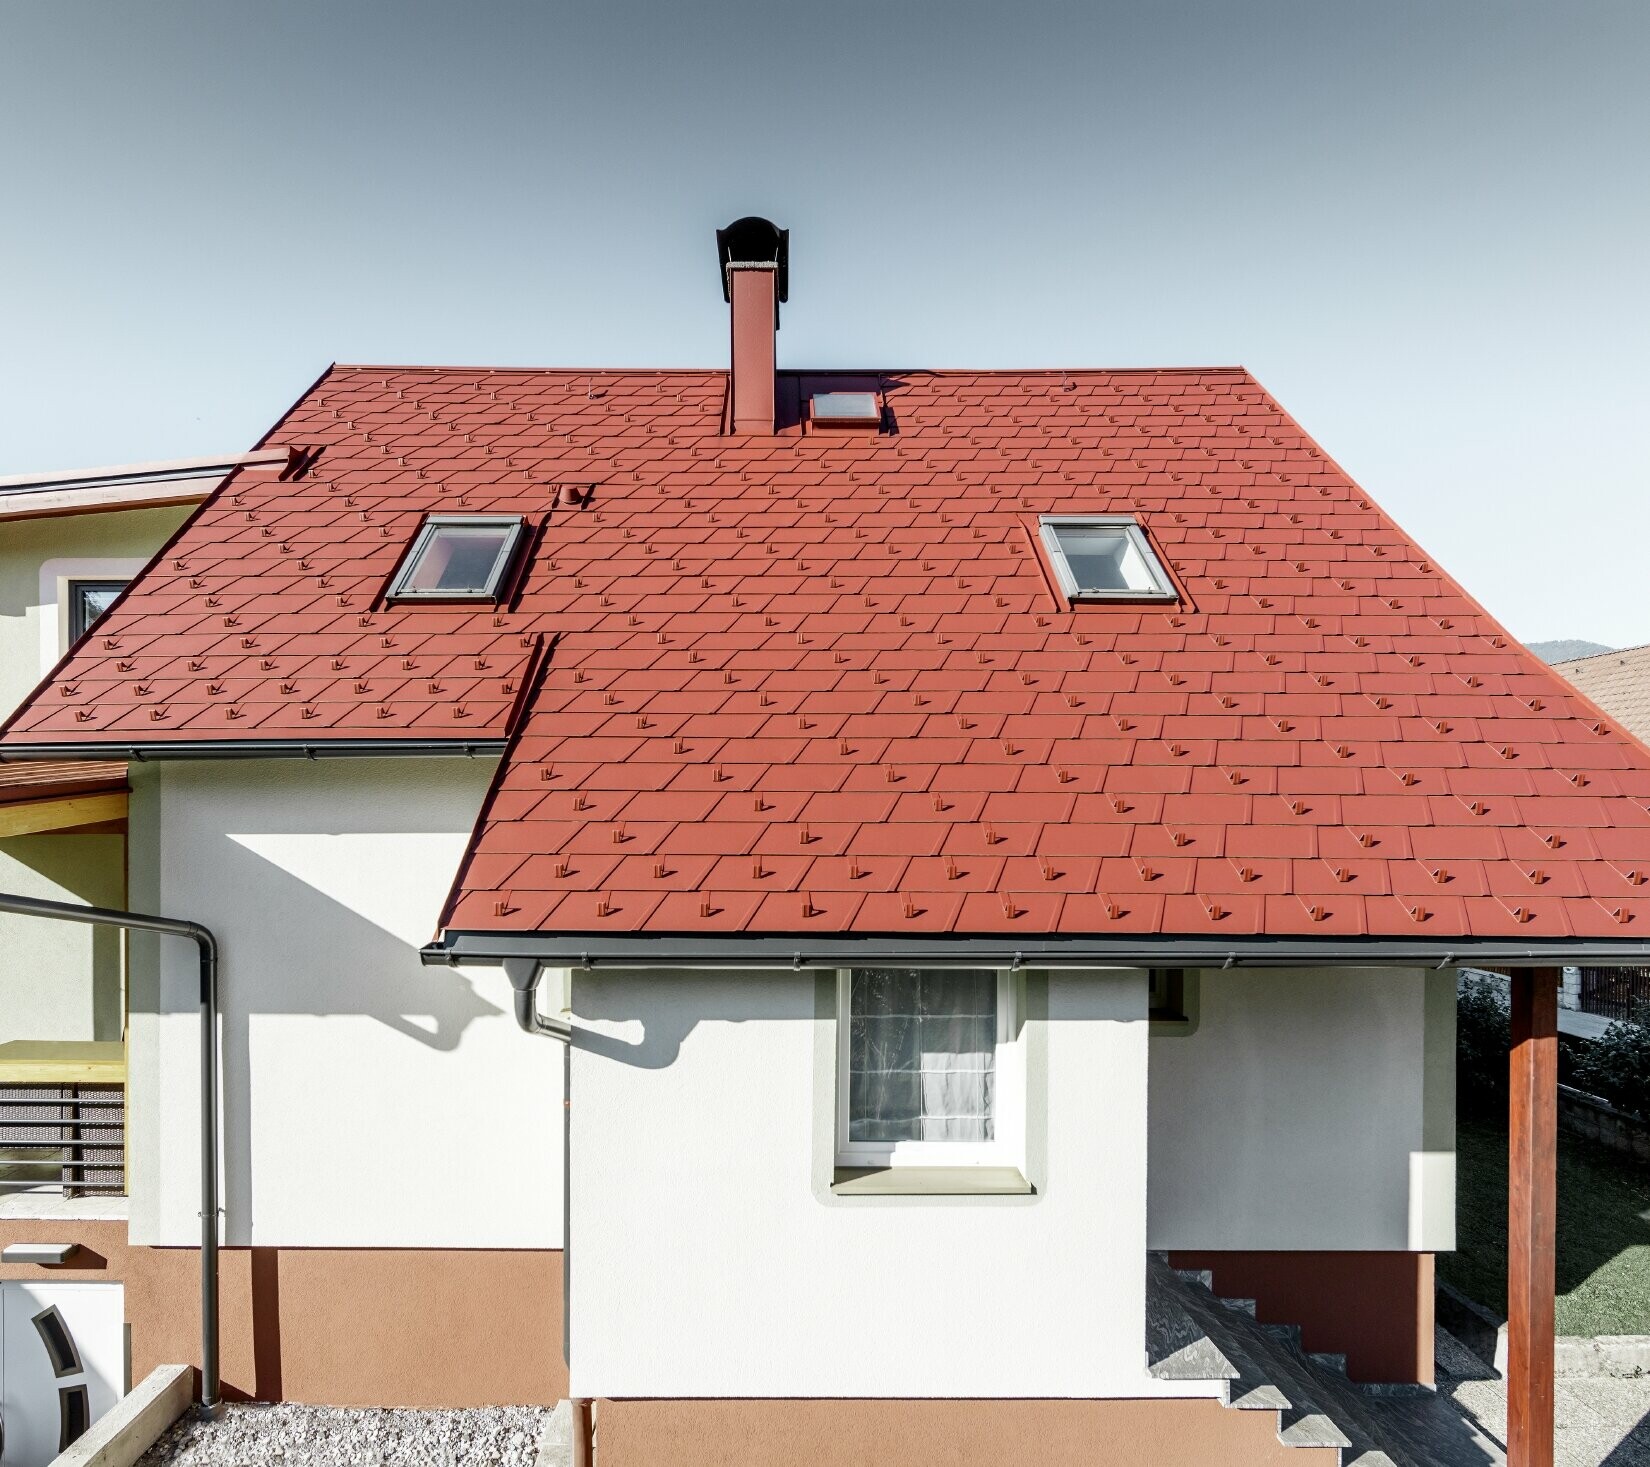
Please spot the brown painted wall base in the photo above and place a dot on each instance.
(1374, 1308)
(942, 1434)
(336, 1326)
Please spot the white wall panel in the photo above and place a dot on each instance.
(706, 1259)
(368, 1101)
(1310, 1109)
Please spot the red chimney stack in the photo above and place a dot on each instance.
(755, 260)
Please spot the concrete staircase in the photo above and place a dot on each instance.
(1193, 1335)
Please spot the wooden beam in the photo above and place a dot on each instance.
(1532, 1216)
(33, 817)
(63, 1062)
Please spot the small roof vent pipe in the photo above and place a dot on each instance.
(755, 256)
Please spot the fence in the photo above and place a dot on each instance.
(1613, 993)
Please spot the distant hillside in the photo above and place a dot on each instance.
(1566, 648)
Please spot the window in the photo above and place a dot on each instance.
(88, 600)
(1105, 557)
(846, 409)
(1174, 1001)
(930, 1071)
(458, 557)
(1168, 999)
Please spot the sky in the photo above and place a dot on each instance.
(1423, 226)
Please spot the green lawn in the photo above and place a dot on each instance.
(1603, 1232)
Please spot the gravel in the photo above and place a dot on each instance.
(332, 1436)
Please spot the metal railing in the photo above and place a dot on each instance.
(1614, 993)
(69, 1139)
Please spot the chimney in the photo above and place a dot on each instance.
(755, 259)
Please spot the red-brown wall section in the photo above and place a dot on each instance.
(1163, 1433)
(335, 1326)
(1374, 1308)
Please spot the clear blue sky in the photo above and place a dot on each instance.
(1424, 226)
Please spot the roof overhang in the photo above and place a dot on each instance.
(124, 486)
(575, 950)
(259, 749)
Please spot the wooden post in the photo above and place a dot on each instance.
(584, 1448)
(1532, 1215)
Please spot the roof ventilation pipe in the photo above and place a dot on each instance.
(755, 258)
(524, 975)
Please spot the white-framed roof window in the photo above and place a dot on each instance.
(458, 557)
(1104, 557)
(845, 409)
(930, 1068)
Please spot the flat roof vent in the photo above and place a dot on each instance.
(845, 410)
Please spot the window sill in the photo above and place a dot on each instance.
(931, 1181)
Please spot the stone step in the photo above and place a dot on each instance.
(1316, 1404)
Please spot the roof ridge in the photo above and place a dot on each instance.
(1609, 652)
(805, 371)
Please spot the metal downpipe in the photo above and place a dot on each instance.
(524, 975)
(211, 1402)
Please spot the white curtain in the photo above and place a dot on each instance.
(921, 1055)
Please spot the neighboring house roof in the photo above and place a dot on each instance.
(822, 682)
(1619, 682)
(122, 486)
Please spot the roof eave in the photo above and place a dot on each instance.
(670, 950)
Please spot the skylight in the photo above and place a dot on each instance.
(458, 557)
(846, 409)
(1105, 557)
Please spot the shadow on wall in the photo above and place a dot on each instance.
(321, 882)
(655, 1042)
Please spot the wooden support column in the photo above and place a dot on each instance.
(1532, 1216)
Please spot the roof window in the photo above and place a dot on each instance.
(1105, 557)
(458, 557)
(845, 410)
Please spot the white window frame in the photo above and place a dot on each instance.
(427, 532)
(1049, 526)
(1006, 1149)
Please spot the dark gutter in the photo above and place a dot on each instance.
(211, 1403)
(573, 950)
(258, 749)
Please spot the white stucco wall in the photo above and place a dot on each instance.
(708, 1258)
(59, 980)
(1310, 1109)
(368, 1101)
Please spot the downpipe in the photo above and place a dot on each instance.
(524, 975)
(211, 1402)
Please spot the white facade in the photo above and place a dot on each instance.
(368, 1101)
(1309, 1109)
(709, 1257)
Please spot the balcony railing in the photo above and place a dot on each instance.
(62, 1118)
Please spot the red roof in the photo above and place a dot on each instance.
(822, 683)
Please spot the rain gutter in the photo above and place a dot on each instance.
(211, 1403)
(573, 950)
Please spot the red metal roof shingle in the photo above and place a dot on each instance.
(822, 683)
